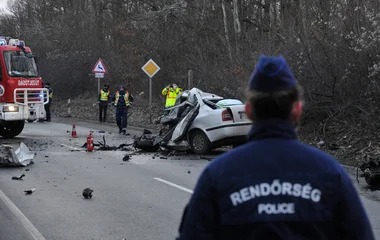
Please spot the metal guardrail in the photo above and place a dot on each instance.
(25, 96)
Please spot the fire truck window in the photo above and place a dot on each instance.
(19, 65)
(1, 73)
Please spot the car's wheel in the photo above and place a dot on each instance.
(11, 129)
(199, 142)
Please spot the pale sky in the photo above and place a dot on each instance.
(3, 3)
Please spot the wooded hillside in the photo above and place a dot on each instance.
(333, 47)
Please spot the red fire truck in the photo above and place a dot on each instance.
(22, 96)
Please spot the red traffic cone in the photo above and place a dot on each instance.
(74, 132)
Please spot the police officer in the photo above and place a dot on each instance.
(47, 106)
(274, 187)
(103, 100)
(122, 102)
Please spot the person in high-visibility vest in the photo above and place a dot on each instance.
(171, 92)
(47, 106)
(122, 102)
(103, 101)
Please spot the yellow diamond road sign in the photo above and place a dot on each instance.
(151, 68)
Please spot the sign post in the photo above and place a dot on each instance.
(150, 68)
(99, 70)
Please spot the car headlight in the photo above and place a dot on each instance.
(10, 108)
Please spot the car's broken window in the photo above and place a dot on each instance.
(211, 104)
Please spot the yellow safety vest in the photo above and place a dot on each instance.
(51, 94)
(171, 96)
(104, 95)
(126, 98)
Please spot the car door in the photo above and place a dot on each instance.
(180, 131)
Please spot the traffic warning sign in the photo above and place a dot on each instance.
(99, 67)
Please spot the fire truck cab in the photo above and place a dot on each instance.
(22, 96)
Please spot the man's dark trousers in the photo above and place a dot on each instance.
(121, 118)
(103, 105)
(47, 110)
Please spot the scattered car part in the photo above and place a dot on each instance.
(18, 178)
(22, 157)
(126, 158)
(29, 191)
(371, 170)
(87, 193)
(206, 158)
(146, 142)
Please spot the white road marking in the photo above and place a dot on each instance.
(174, 185)
(73, 148)
(36, 235)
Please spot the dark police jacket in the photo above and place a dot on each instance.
(274, 187)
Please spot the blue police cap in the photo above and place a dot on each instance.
(272, 74)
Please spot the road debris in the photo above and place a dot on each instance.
(146, 142)
(20, 158)
(29, 191)
(126, 158)
(371, 172)
(102, 146)
(18, 178)
(87, 193)
(188, 172)
(206, 158)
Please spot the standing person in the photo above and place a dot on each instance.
(122, 102)
(274, 187)
(171, 92)
(47, 106)
(103, 100)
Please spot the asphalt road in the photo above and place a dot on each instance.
(139, 199)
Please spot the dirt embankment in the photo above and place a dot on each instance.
(347, 143)
(88, 110)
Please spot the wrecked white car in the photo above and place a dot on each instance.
(202, 121)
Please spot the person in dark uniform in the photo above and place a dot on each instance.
(274, 187)
(47, 106)
(123, 100)
(104, 99)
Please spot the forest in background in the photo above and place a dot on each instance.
(333, 47)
